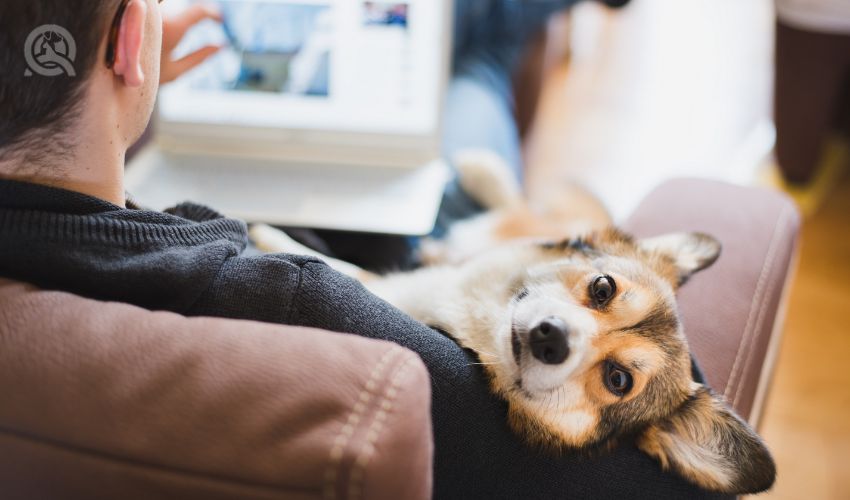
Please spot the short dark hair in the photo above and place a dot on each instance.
(34, 108)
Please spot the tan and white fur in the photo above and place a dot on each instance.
(568, 209)
(580, 336)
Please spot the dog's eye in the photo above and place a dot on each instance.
(617, 380)
(602, 290)
(522, 294)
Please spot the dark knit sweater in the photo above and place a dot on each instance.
(194, 262)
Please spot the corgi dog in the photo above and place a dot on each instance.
(582, 338)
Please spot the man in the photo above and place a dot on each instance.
(65, 224)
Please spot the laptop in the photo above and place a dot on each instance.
(317, 113)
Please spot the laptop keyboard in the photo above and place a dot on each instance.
(375, 199)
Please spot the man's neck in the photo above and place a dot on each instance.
(94, 166)
(88, 174)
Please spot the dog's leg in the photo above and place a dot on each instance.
(271, 240)
(431, 295)
(562, 209)
(488, 180)
(486, 177)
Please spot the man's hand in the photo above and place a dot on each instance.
(173, 30)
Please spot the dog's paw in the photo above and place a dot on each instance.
(486, 177)
(433, 252)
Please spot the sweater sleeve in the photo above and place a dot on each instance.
(259, 288)
(302, 291)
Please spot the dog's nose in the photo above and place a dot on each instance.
(549, 341)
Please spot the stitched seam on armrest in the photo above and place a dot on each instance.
(751, 316)
(385, 408)
(332, 472)
(762, 310)
(140, 464)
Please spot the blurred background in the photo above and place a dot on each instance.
(672, 88)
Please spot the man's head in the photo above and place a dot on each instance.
(45, 117)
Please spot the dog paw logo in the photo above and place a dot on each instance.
(50, 51)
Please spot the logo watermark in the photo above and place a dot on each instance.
(50, 51)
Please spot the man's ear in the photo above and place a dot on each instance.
(708, 444)
(690, 252)
(131, 38)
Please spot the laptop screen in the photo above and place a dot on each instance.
(333, 65)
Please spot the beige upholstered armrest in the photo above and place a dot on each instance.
(103, 400)
(733, 311)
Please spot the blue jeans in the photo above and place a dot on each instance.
(489, 39)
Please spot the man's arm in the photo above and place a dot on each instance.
(476, 454)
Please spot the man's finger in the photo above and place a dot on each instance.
(181, 23)
(177, 68)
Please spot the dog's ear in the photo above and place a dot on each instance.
(711, 446)
(690, 252)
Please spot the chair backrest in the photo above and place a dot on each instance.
(104, 400)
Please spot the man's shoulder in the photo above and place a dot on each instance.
(194, 212)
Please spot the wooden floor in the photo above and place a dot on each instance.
(673, 88)
(807, 419)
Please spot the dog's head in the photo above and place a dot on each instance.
(594, 352)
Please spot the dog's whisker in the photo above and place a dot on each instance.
(491, 359)
(559, 398)
(548, 400)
